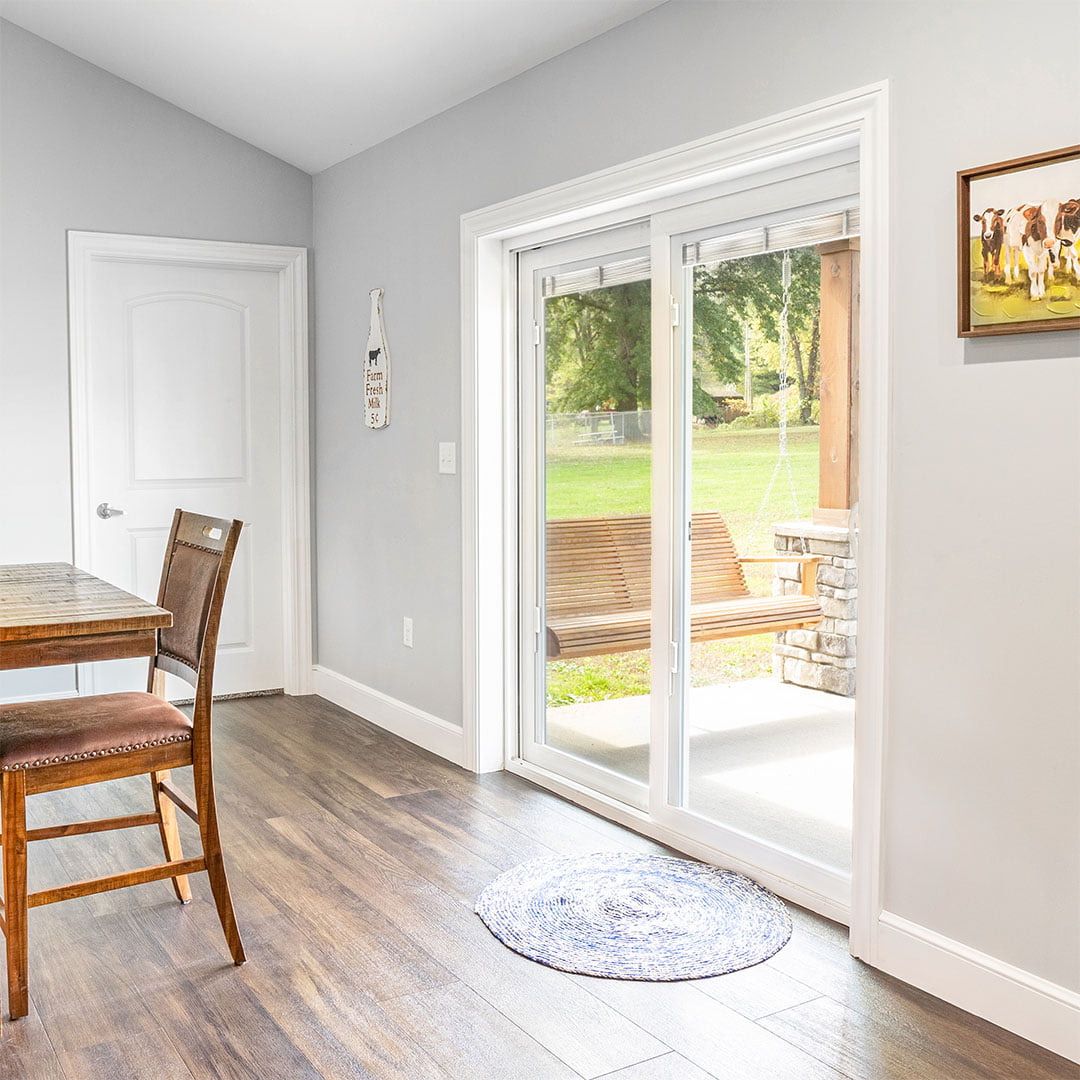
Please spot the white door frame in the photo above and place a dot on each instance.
(290, 264)
(489, 486)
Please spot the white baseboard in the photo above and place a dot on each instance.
(1008, 996)
(419, 727)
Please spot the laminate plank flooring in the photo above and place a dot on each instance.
(666, 1067)
(478, 1040)
(128, 1059)
(354, 860)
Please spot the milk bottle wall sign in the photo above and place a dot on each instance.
(376, 368)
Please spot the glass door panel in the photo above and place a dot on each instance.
(587, 479)
(760, 753)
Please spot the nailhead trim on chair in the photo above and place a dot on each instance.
(96, 753)
(197, 547)
(176, 656)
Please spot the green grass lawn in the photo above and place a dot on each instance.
(731, 470)
(730, 473)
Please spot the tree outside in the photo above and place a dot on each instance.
(598, 342)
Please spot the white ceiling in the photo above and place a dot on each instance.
(315, 81)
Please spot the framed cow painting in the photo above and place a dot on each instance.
(1018, 259)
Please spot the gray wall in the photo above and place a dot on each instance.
(984, 585)
(81, 149)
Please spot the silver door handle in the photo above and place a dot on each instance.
(105, 511)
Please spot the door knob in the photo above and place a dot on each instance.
(105, 511)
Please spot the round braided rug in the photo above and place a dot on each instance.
(627, 916)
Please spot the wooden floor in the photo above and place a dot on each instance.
(355, 859)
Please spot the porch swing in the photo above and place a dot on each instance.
(599, 569)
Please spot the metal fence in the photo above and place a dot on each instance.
(598, 428)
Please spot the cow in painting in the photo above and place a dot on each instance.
(992, 229)
(1066, 227)
(1029, 233)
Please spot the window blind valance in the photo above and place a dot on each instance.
(787, 234)
(619, 272)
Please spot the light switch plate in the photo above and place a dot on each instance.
(447, 457)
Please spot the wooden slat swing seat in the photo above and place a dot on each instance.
(599, 589)
(50, 745)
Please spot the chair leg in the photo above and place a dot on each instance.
(170, 835)
(13, 800)
(215, 863)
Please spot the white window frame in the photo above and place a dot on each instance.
(715, 165)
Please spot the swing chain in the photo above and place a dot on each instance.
(783, 461)
(785, 348)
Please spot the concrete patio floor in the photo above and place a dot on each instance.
(768, 758)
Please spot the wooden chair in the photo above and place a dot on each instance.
(48, 745)
(599, 586)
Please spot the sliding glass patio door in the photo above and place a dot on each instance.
(668, 451)
(586, 497)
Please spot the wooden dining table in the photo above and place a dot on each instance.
(55, 613)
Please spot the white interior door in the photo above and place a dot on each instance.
(181, 400)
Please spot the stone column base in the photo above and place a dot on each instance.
(822, 658)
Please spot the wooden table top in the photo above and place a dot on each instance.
(57, 600)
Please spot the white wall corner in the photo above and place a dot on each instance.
(419, 727)
(1012, 998)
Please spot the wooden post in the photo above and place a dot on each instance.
(838, 477)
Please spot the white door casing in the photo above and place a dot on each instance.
(189, 388)
(718, 164)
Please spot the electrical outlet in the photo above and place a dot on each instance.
(447, 457)
(406, 632)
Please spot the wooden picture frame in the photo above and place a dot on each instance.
(1017, 271)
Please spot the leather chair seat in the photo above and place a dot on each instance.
(36, 734)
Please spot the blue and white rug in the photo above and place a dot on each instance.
(627, 916)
